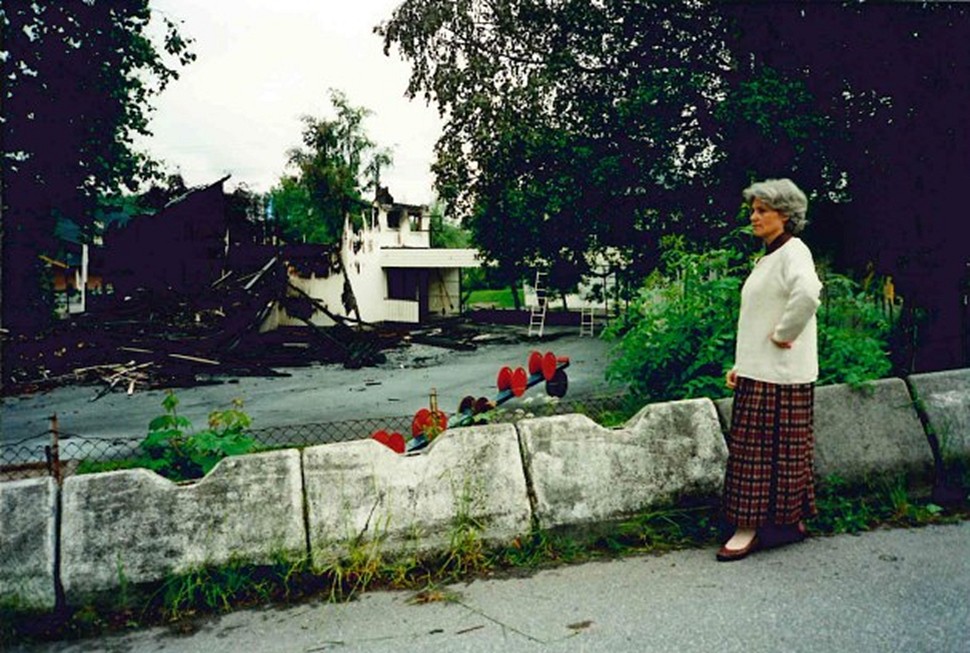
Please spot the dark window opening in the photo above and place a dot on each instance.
(403, 283)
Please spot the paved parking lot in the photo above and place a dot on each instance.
(323, 393)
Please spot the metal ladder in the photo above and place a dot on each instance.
(587, 321)
(537, 313)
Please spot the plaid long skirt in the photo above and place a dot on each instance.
(770, 477)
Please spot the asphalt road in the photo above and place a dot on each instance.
(317, 394)
(892, 590)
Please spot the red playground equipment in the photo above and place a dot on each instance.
(429, 423)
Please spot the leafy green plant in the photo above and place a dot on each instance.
(906, 510)
(541, 547)
(844, 508)
(220, 588)
(171, 450)
(853, 333)
(354, 573)
(670, 527)
(362, 560)
(676, 340)
(677, 337)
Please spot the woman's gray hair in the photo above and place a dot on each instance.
(783, 196)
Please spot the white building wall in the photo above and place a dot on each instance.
(405, 235)
(361, 256)
(363, 261)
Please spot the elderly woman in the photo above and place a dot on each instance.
(769, 486)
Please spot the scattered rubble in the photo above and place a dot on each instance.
(178, 297)
(148, 340)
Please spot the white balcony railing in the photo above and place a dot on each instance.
(400, 310)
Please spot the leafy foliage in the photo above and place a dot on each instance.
(79, 78)
(676, 340)
(575, 130)
(853, 333)
(897, 96)
(854, 506)
(171, 450)
(336, 163)
(444, 234)
(292, 207)
(677, 337)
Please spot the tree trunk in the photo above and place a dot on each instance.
(514, 287)
(347, 297)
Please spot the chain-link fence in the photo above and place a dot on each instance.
(58, 452)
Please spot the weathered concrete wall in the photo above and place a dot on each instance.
(946, 398)
(583, 473)
(141, 525)
(563, 471)
(874, 429)
(869, 431)
(27, 541)
(364, 492)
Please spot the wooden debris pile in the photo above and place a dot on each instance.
(125, 375)
(149, 339)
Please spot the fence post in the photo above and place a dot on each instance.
(54, 459)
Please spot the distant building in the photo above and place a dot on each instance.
(195, 246)
(395, 274)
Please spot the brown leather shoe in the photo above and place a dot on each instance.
(729, 555)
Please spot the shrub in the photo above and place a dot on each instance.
(678, 332)
(853, 333)
(676, 340)
(173, 452)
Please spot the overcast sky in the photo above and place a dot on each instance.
(264, 63)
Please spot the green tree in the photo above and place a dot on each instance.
(575, 129)
(336, 164)
(79, 78)
(610, 124)
(333, 169)
(890, 75)
(443, 233)
(291, 207)
(676, 340)
(160, 193)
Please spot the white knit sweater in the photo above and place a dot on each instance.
(779, 299)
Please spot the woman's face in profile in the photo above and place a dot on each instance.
(766, 222)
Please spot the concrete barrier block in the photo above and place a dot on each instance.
(946, 398)
(870, 430)
(27, 543)
(583, 473)
(364, 492)
(723, 407)
(142, 527)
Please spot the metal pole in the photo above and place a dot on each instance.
(55, 457)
